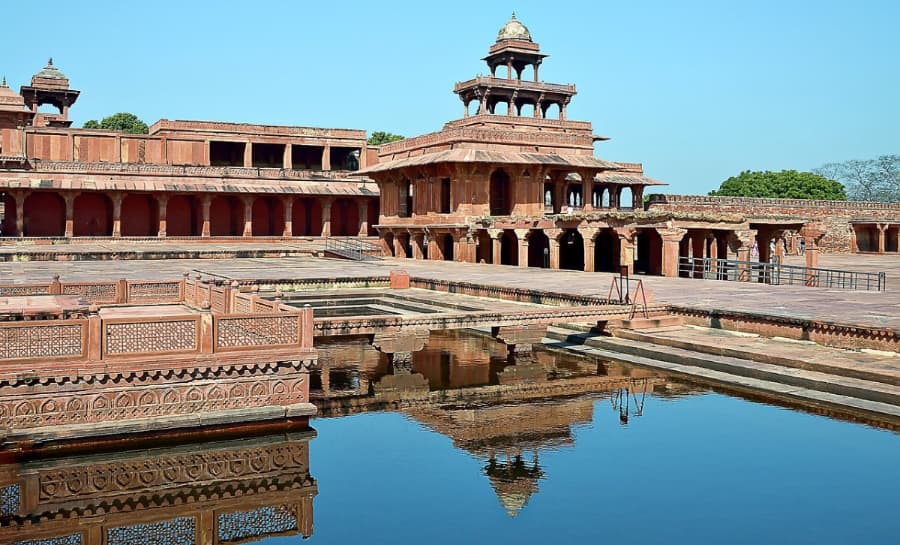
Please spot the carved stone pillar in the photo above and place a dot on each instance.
(326, 217)
(20, 196)
(69, 199)
(589, 236)
(288, 205)
(713, 243)
(496, 248)
(248, 217)
(522, 236)
(288, 159)
(162, 202)
(812, 233)
(248, 154)
(205, 203)
(587, 193)
(671, 242)
(553, 236)
(637, 197)
(626, 247)
(326, 157)
(614, 194)
(854, 246)
(882, 227)
(741, 242)
(117, 214)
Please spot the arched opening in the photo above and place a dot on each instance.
(605, 197)
(268, 217)
(527, 72)
(49, 108)
(446, 242)
(571, 250)
(182, 218)
(93, 215)
(509, 248)
(866, 237)
(484, 252)
(550, 110)
(8, 227)
(226, 216)
(574, 198)
(526, 110)
(649, 252)
(345, 218)
(140, 216)
(598, 193)
(548, 197)
(44, 214)
(501, 203)
(538, 249)
(315, 217)
(625, 197)
(607, 251)
(501, 71)
(473, 107)
(501, 108)
(388, 239)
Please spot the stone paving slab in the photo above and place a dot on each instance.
(862, 308)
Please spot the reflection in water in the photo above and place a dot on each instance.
(214, 492)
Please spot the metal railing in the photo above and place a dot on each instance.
(776, 273)
(352, 248)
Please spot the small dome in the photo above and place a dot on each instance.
(9, 98)
(514, 30)
(50, 72)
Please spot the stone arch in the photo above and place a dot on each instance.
(500, 193)
(571, 250)
(607, 251)
(182, 217)
(509, 248)
(626, 197)
(268, 216)
(93, 215)
(538, 249)
(574, 197)
(44, 214)
(300, 217)
(140, 215)
(484, 247)
(226, 216)
(551, 110)
(648, 252)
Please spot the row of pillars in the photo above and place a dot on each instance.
(205, 204)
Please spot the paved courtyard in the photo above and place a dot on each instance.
(856, 307)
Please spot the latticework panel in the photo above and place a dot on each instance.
(151, 336)
(257, 331)
(273, 519)
(40, 341)
(158, 292)
(94, 293)
(177, 531)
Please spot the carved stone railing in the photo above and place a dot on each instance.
(710, 200)
(539, 86)
(488, 135)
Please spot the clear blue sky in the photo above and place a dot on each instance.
(697, 91)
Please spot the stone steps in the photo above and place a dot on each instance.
(786, 382)
(868, 374)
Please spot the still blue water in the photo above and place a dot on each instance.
(695, 469)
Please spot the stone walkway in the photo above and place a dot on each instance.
(843, 306)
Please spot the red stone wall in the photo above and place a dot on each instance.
(835, 215)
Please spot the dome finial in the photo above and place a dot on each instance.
(3, 83)
(514, 30)
(50, 62)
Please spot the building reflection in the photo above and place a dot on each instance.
(503, 410)
(233, 491)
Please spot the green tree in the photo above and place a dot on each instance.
(787, 184)
(867, 180)
(122, 122)
(380, 137)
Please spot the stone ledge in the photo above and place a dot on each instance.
(48, 434)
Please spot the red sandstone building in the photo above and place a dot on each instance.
(183, 179)
(513, 182)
